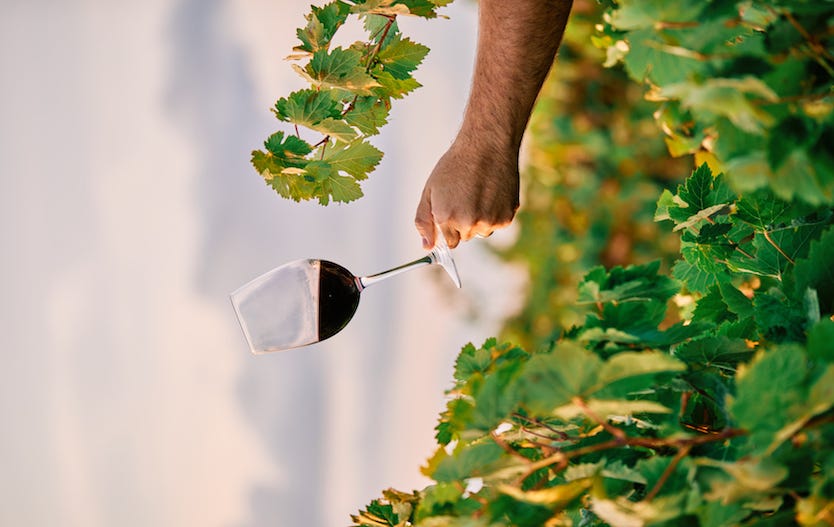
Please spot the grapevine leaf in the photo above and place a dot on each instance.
(715, 352)
(762, 209)
(698, 280)
(357, 158)
(342, 188)
(322, 23)
(496, 397)
(736, 301)
(367, 115)
(624, 512)
(635, 14)
(651, 55)
(388, 86)
(288, 148)
(718, 514)
(437, 499)
(421, 8)
(779, 319)
(401, 57)
(635, 282)
(556, 497)
(732, 98)
(607, 408)
(629, 369)
(454, 420)
(746, 480)
(375, 26)
(820, 339)
(703, 191)
(712, 308)
(815, 270)
(307, 107)
(471, 361)
(467, 461)
(339, 68)
(379, 7)
(550, 380)
(336, 129)
(767, 389)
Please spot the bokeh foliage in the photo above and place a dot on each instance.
(674, 362)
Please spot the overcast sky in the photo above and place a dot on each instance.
(129, 211)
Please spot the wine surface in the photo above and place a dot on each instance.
(338, 298)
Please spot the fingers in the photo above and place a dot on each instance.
(424, 221)
(451, 234)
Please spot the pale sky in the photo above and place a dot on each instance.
(129, 212)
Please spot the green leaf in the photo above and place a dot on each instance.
(342, 188)
(437, 499)
(746, 481)
(287, 148)
(307, 107)
(468, 461)
(401, 57)
(628, 365)
(654, 56)
(338, 68)
(367, 114)
(608, 408)
(696, 279)
(496, 397)
(556, 497)
(768, 389)
(389, 86)
(335, 129)
(471, 361)
(718, 352)
(646, 14)
(733, 98)
(633, 283)
(762, 209)
(322, 23)
(357, 158)
(702, 190)
(375, 26)
(821, 341)
(815, 270)
(550, 380)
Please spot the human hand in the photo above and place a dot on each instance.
(470, 192)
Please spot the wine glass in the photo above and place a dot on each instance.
(306, 301)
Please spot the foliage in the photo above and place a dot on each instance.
(595, 165)
(348, 100)
(698, 395)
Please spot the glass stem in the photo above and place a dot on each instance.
(364, 281)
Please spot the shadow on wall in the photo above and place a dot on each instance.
(210, 98)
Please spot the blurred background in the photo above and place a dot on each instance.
(129, 211)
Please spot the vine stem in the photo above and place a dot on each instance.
(378, 46)
(682, 453)
(561, 458)
(506, 447)
(613, 430)
(562, 435)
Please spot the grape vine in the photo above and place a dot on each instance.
(349, 99)
(693, 390)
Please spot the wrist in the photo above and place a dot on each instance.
(488, 138)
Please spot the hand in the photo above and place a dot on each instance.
(472, 191)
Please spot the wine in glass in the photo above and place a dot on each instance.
(306, 301)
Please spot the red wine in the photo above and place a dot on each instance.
(338, 298)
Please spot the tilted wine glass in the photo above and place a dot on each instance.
(306, 301)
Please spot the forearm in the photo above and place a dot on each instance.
(517, 43)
